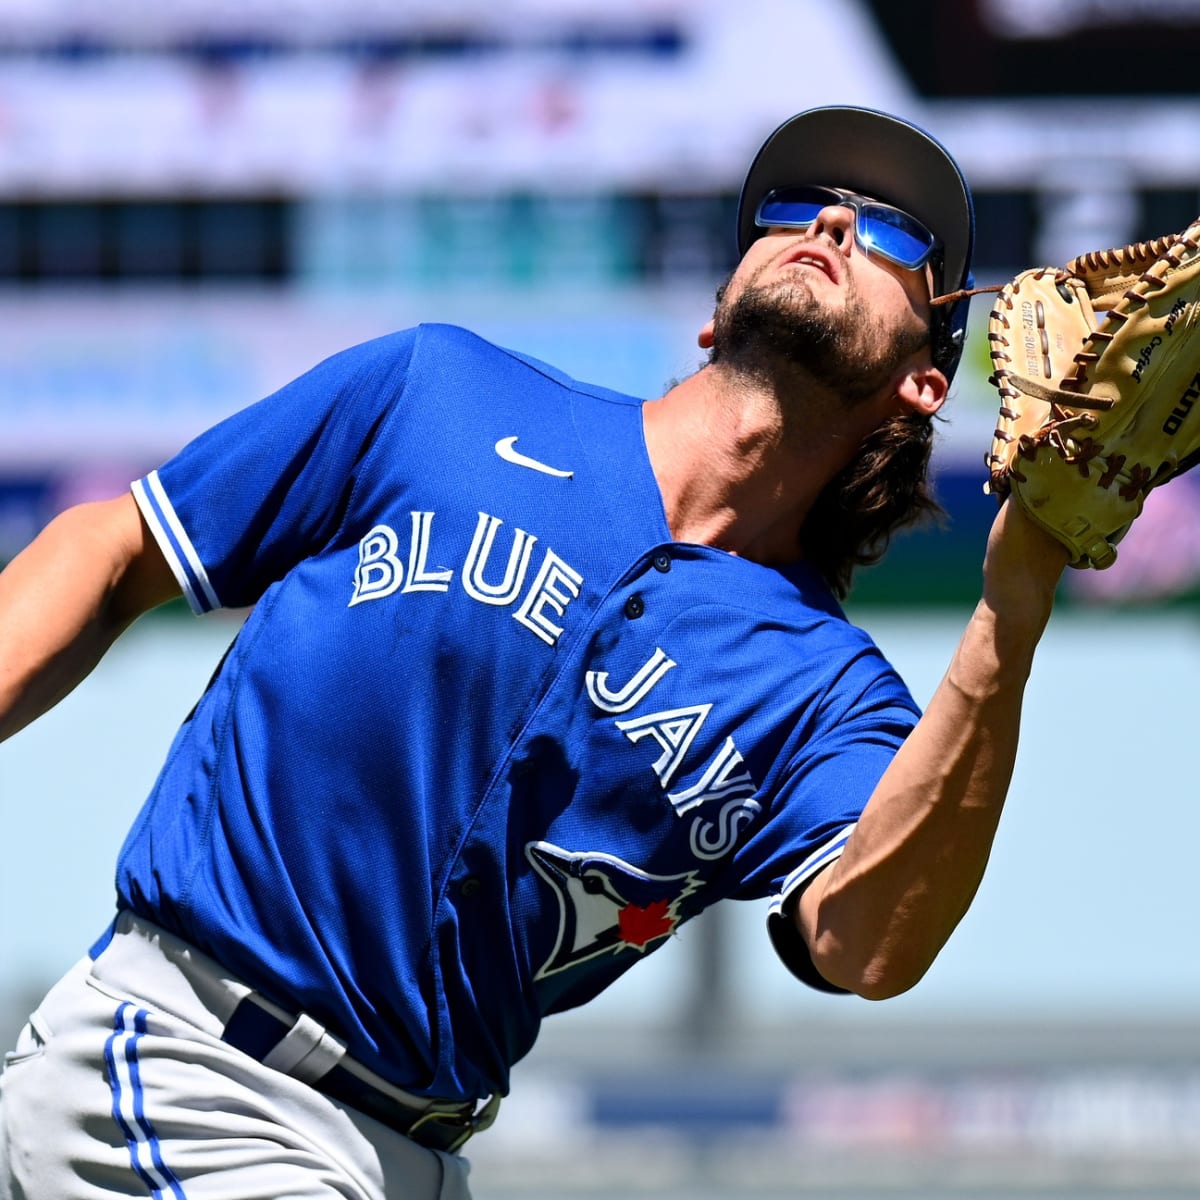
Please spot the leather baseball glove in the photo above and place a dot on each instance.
(1098, 367)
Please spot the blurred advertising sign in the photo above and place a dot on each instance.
(130, 377)
(1027, 48)
(89, 379)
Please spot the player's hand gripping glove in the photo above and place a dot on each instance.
(1098, 367)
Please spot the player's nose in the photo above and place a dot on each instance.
(836, 221)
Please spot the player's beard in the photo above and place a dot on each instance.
(781, 336)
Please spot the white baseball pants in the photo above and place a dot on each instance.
(120, 1086)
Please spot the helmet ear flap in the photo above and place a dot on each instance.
(948, 332)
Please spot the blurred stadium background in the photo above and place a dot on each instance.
(198, 200)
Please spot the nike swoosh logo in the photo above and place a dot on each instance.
(506, 448)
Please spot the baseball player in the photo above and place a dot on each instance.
(534, 673)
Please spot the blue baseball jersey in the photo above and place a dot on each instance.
(488, 736)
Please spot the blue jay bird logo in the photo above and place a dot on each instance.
(606, 905)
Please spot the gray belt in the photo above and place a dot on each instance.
(256, 1029)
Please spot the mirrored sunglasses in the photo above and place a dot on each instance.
(878, 228)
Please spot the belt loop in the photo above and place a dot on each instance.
(306, 1052)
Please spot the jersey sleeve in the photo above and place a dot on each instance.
(245, 501)
(824, 788)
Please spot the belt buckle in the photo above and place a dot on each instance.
(466, 1123)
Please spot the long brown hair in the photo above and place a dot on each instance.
(885, 488)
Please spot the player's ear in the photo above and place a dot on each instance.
(706, 335)
(922, 389)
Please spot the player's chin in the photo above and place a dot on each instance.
(809, 274)
(799, 300)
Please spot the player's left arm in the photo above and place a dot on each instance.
(876, 918)
(66, 598)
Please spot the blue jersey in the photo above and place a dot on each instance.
(488, 735)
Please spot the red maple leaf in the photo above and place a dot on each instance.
(640, 926)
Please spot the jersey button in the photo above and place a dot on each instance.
(470, 886)
(662, 561)
(634, 607)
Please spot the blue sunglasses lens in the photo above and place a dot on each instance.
(878, 228)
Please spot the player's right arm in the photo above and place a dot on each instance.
(66, 598)
(272, 478)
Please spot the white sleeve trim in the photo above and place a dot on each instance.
(175, 544)
(817, 861)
